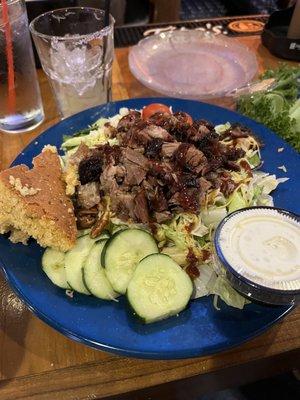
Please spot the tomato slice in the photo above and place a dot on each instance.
(154, 108)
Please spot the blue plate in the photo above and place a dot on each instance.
(109, 326)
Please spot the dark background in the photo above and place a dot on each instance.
(143, 11)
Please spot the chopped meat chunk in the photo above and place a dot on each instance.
(108, 154)
(90, 169)
(157, 200)
(136, 158)
(153, 148)
(234, 154)
(161, 217)
(195, 159)
(136, 166)
(188, 156)
(186, 199)
(232, 166)
(166, 163)
(204, 185)
(140, 208)
(135, 138)
(82, 152)
(164, 120)
(168, 149)
(123, 204)
(183, 119)
(239, 131)
(128, 120)
(134, 173)
(156, 132)
(227, 186)
(88, 195)
(108, 179)
(86, 217)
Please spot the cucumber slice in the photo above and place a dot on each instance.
(53, 264)
(121, 254)
(74, 261)
(94, 277)
(159, 288)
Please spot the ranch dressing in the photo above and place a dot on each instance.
(263, 245)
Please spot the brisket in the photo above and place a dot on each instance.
(88, 195)
(165, 164)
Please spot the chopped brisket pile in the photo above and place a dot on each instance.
(162, 165)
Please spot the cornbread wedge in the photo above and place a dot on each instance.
(33, 203)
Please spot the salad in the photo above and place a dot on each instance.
(277, 107)
(149, 187)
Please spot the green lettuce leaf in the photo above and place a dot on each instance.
(237, 201)
(213, 216)
(222, 288)
(177, 254)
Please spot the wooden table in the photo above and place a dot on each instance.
(37, 363)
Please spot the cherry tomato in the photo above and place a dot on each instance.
(189, 119)
(154, 108)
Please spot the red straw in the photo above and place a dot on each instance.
(11, 103)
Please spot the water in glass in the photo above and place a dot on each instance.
(76, 52)
(27, 110)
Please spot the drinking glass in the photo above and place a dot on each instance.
(20, 100)
(76, 50)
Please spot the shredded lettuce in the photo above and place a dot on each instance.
(82, 132)
(177, 254)
(222, 128)
(254, 160)
(96, 134)
(177, 237)
(100, 122)
(263, 186)
(112, 120)
(200, 230)
(204, 281)
(178, 231)
(213, 216)
(265, 200)
(209, 283)
(237, 201)
(219, 199)
(256, 192)
(225, 291)
(94, 138)
(265, 182)
(183, 233)
(204, 241)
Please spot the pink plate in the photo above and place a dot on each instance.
(192, 64)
